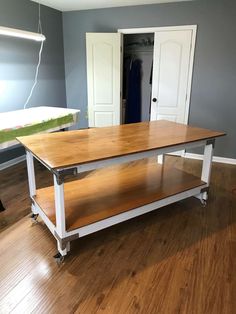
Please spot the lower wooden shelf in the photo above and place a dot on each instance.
(114, 190)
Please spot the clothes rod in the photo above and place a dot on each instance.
(13, 32)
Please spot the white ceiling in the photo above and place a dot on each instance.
(72, 5)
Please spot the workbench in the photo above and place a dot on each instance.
(33, 120)
(121, 189)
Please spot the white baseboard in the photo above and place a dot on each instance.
(222, 160)
(12, 162)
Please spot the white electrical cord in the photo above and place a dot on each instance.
(39, 61)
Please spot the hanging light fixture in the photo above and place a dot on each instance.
(13, 32)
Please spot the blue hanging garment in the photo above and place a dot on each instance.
(133, 105)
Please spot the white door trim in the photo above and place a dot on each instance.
(156, 29)
(193, 28)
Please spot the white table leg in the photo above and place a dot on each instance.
(206, 169)
(60, 216)
(65, 250)
(31, 173)
(31, 178)
(160, 159)
(207, 163)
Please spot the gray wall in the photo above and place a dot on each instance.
(18, 60)
(213, 101)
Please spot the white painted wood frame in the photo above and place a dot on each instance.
(64, 237)
(193, 28)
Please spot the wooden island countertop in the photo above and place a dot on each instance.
(71, 148)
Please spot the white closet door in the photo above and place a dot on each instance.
(170, 75)
(104, 78)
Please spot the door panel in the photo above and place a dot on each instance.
(170, 75)
(103, 78)
(170, 67)
(167, 117)
(103, 73)
(103, 118)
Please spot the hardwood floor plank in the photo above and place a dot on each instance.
(14, 191)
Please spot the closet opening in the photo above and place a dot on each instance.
(137, 77)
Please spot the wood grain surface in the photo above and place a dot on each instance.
(65, 149)
(115, 190)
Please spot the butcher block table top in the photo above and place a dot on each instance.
(71, 148)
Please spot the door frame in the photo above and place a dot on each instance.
(193, 28)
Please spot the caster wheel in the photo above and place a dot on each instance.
(204, 203)
(34, 217)
(2, 208)
(59, 258)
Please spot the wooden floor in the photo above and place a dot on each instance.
(14, 192)
(179, 259)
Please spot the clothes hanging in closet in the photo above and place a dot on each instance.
(126, 70)
(132, 90)
(150, 80)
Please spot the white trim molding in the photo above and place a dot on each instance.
(223, 160)
(193, 28)
(144, 30)
(12, 162)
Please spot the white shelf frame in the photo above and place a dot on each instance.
(64, 237)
